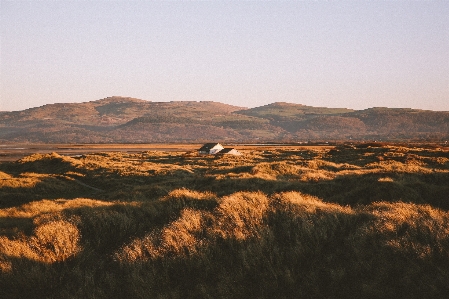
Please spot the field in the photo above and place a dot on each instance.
(161, 221)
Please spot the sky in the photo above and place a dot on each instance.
(348, 54)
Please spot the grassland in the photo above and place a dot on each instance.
(364, 221)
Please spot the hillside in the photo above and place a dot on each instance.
(128, 120)
(282, 111)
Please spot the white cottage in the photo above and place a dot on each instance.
(210, 148)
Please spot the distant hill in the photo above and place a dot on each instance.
(282, 111)
(129, 120)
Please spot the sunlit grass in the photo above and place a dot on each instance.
(36, 208)
(366, 222)
(52, 241)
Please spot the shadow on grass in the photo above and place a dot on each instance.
(45, 188)
(38, 163)
(364, 189)
(349, 189)
(13, 226)
(301, 251)
(431, 189)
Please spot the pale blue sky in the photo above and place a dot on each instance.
(353, 54)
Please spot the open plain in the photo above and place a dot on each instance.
(162, 221)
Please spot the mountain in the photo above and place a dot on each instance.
(129, 120)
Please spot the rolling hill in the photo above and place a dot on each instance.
(129, 120)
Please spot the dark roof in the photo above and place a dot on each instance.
(206, 147)
(227, 150)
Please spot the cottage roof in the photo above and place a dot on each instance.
(208, 146)
(229, 150)
(226, 150)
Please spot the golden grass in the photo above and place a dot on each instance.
(309, 204)
(23, 182)
(238, 216)
(385, 179)
(54, 238)
(416, 229)
(53, 241)
(36, 208)
(4, 176)
(398, 167)
(179, 238)
(293, 223)
(281, 170)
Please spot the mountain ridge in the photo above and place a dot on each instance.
(130, 120)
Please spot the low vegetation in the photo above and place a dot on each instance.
(363, 221)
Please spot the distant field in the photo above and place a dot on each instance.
(13, 151)
(280, 221)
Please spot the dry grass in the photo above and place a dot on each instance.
(320, 223)
(37, 208)
(418, 230)
(237, 217)
(53, 241)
